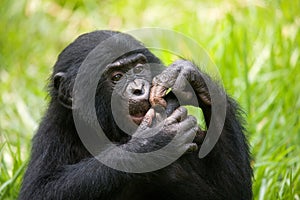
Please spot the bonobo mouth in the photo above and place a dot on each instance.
(138, 109)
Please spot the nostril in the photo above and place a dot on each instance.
(137, 92)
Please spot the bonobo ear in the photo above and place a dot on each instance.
(57, 79)
(64, 97)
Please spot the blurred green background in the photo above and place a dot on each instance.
(255, 44)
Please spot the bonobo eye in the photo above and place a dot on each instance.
(116, 76)
(138, 69)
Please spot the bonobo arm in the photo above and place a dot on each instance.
(61, 167)
(57, 176)
(226, 169)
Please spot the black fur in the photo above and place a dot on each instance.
(61, 168)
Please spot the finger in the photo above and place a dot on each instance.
(161, 83)
(190, 123)
(167, 78)
(190, 148)
(185, 137)
(148, 118)
(156, 95)
(172, 103)
(180, 82)
(200, 135)
(177, 116)
(160, 113)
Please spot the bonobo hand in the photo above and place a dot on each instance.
(180, 76)
(185, 79)
(157, 130)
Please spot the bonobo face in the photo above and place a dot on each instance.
(131, 80)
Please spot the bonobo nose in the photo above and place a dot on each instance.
(138, 92)
(139, 88)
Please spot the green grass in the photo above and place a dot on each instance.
(256, 46)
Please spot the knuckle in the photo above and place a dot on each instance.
(170, 130)
(192, 119)
(182, 111)
(195, 129)
(168, 121)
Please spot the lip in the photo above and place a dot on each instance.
(138, 110)
(137, 119)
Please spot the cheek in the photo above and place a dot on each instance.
(105, 88)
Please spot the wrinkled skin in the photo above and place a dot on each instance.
(176, 76)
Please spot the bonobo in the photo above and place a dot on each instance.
(135, 96)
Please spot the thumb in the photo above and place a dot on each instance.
(147, 120)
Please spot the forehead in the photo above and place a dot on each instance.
(129, 60)
(125, 63)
